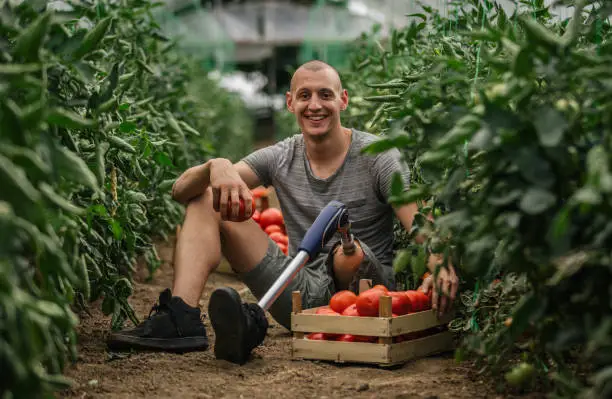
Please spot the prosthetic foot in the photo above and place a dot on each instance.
(239, 327)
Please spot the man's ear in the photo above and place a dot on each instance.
(345, 99)
(289, 100)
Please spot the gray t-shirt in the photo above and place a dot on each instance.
(362, 183)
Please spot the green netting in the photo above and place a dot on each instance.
(198, 32)
(330, 31)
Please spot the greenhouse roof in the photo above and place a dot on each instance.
(273, 23)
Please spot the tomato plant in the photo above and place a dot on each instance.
(99, 113)
(505, 121)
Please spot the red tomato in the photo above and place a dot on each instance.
(283, 247)
(259, 192)
(418, 299)
(271, 216)
(273, 228)
(415, 302)
(425, 300)
(279, 238)
(355, 338)
(400, 303)
(326, 310)
(317, 336)
(241, 210)
(256, 216)
(342, 300)
(351, 311)
(367, 302)
(380, 287)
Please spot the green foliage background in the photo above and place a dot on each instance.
(99, 114)
(505, 120)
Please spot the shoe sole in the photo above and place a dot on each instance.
(119, 341)
(228, 321)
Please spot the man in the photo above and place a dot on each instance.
(308, 170)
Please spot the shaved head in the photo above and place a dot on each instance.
(316, 66)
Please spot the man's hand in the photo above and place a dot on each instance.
(444, 287)
(228, 189)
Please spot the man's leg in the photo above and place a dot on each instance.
(176, 324)
(199, 249)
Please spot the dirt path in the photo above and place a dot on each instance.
(271, 374)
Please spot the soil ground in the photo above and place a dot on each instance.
(270, 374)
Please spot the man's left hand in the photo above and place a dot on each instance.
(444, 290)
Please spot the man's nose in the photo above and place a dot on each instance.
(314, 103)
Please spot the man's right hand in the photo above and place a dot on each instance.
(229, 190)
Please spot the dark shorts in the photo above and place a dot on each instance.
(314, 281)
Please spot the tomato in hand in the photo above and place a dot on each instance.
(256, 216)
(242, 210)
(342, 300)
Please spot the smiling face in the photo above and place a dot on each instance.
(317, 99)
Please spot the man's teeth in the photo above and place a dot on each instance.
(316, 118)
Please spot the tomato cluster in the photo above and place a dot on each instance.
(366, 304)
(270, 219)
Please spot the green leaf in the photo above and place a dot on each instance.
(523, 62)
(92, 38)
(19, 69)
(14, 179)
(163, 159)
(397, 184)
(73, 168)
(123, 145)
(60, 201)
(28, 44)
(534, 168)
(537, 200)
(387, 143)
(116, 228)
(68, 119)
(587, 195)
(127, 127)
(550, 125)
(540, 34)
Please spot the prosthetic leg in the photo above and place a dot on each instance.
(241, 327)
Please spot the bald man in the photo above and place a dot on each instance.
(322, 162)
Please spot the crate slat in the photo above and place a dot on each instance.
(420, 347)
(340, 351)
(417, 321)
(358, 325)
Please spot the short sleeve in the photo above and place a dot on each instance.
(385, 165)
(265, 161)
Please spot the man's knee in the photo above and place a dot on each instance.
(200, 205)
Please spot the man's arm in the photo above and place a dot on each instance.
(446, 279)
(195, 180)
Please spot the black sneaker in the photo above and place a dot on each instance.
(175, 327)
(239, 327)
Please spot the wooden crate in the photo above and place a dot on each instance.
(384, 352)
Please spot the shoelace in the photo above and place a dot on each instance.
(157, 308)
